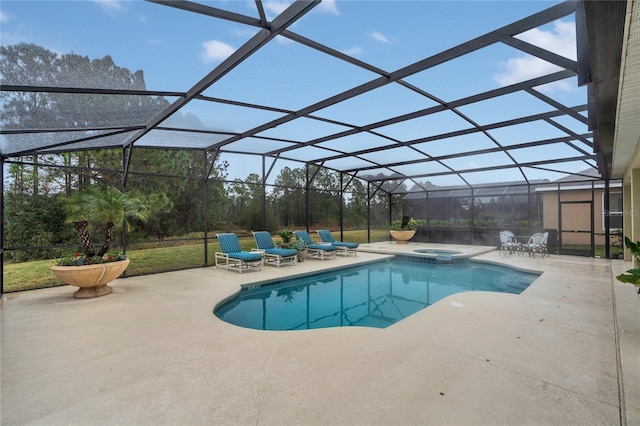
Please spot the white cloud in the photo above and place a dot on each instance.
(560, 40)
(244, 33)
(110, 6)
(275, 8)
(3, 17)
(215, 50)
(328, 6)
(524, 68)
(558, 86)
(353, 51)
(379, 37)
(284, 40)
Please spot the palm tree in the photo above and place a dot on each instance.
(106, 207)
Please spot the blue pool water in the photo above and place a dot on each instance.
(372, 295)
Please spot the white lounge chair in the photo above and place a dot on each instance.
(314, 249)
(344, 248)
(272, 254)
(233, 255)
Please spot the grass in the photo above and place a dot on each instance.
(36, 274)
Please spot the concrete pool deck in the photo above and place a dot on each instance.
(562, 352)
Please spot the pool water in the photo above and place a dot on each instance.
(372, 295)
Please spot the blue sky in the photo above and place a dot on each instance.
(175, 49)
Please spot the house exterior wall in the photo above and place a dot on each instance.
(575, 217)
(632, 204)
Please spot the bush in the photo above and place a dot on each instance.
(34, 221)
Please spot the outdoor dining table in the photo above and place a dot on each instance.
(521, 243)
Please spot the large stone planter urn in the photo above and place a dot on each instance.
(402, 236)
(92, 279)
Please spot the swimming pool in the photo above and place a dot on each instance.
(372, 295)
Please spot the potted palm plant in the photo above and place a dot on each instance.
(89, 211)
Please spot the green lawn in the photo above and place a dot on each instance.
(37, 274)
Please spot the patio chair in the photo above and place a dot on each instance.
(233, 255)
(314, 249)
(508, 243)
(543, 244)
(344, 248)
(272, 254)
(535, 244)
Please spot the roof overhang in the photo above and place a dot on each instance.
(627, 133)
(612, 75)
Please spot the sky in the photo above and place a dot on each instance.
(175, 49)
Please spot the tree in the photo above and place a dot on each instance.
(80, 114)
(32, 65)
(356, 208)
(324, 194)
(34, 222)
(175, 193)
(288, 196)
(104, 207)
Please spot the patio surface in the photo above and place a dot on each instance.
(152, 352)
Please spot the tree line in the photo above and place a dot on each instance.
(172, 183)
(35, 201)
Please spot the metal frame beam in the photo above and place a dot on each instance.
(500, 167)
(533, 21)
(455, 133)
(277, 26)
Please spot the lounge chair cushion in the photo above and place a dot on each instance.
(328, 238)
(246, 256)
(304, 236)
(264, 240)
(347, 245)
(323, 247)
(229, 243)
(233, 257)
(281, 252)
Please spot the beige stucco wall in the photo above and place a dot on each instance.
(575, 217)
(631, 182)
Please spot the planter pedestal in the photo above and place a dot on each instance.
(92, 279)
(302, 255)
(402, 237)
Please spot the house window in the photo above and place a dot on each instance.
(615, 210)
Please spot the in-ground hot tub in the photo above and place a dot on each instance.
(440, 255)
